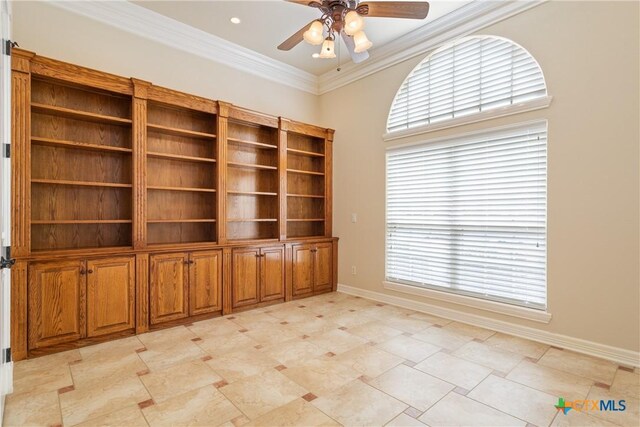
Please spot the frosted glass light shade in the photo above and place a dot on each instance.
(328, 49)
(353, 23)
(314, 34)
(361, 41)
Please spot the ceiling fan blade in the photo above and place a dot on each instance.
(355, 57)
(394, 9)
(312, 3)
(293, 41)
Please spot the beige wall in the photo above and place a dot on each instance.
(59, 34)
(589, 54)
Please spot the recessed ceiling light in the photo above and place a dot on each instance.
(235, 20)
(315, 55)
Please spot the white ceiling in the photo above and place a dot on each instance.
(267, 23)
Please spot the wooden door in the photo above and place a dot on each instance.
(169, 291)
(110, 295)
(246, 277)
(57, 302)
(323, 267)
(205, 282)
(271, 273)
(302, 278)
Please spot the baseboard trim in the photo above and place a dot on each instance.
(615, 354)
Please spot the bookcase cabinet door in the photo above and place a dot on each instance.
(246, 277)
(205, 282)
(56, 303)
(110, 295)
(272, 272)
(323, 267)
(169, 287)
(302, 280)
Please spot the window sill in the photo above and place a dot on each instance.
(491, 306)
(535, 104)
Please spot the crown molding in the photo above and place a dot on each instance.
(458, 23)
(151, 25)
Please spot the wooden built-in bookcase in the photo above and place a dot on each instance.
(168, 207)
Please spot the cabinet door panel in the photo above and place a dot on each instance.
(323, 267)
(205, 281)
(272, 272)
(246, 277)
(302, 280)
(57, 303)
(110, 295)
(168, 288)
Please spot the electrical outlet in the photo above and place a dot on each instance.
(353, 270)
(354, 217)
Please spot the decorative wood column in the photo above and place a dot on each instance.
(221, 178)
(282, 178)
(139, 146)
(328, 183)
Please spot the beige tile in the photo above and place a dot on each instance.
(274, 334)
(457, 410)
(368, 360)
(32, 410)
(492, 357)
(85, 403)
(293, 314)
(469, 330)
(178, 379)
(241, 364)
(429, 318)
(404, 420)
(516, 399)
(130, 416)
(626, 383)
(295, 413)
(262, 393)
(452, 369)
(159, 356)
(315, 326)
(253, 320)
(358, 404)
(337, 341)
(227, 343)
(95, 368)
(293, 352)
(409, 348)
(579, 364)
(552, 381)
(166, 337)
(350, 319)
(412, 387)
(408, 324)
(579, 419)
(629, 417)
(321, 375)
(442, 338)
(214, 327)
(111, 349)
(42, 374)
(374, 331)
(517, 345)
(205, 406)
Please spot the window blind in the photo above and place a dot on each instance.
(469, 215)
(471, 76)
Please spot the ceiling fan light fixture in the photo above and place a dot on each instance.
(314, 34)
(362, 43)
(328, 49)
(353, 22)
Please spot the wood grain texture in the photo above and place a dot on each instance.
(272, 273)
(303, 128)
(142, 293)
(205, 282)
(323, 267)
(288, 275)
(246, 115)
(221, 180)
(57, 302)
(328, 185)
(139, 168)
(168, 287)
(110, 295)
(282, 181)
(302, 274)
(19, 311)
(334, 285)
(181, 99)
(246, 277)
(227, 278)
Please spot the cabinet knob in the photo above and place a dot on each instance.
(90, 271)
(82, 271)
(191, 261)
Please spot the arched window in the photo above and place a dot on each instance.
(470, 76)
(466, 214)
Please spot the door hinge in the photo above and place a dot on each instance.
(7, 355)
(7, 46)
(8, 261)
(6, 152)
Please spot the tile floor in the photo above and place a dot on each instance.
(333, 359)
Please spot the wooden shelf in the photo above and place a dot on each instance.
(200, 190)
(79, 145)
(78, 115)
(251, 193)
(252, 220)
(306, 153)
(179, 157)
(253, 143)
(305, 172)
(80, 183)
(180, 132)
(168, 221)
(309, 196)
(306, 220)
(81, 221)
(251, 166)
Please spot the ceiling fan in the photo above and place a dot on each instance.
(344, 19)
